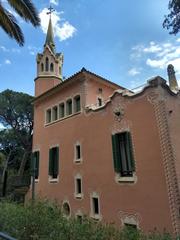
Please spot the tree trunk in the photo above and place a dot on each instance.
(4, 174)
(23, 164)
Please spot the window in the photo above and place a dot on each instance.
(99, 102)
(35, 164)
(48, 116)
(95, 202)
(95, 206)
(100, 90)
(123, 154)
(61, 110)
(47, 64)
(78, 152)
(78, 187)
(66, 209)
(130, 226)
(79, 218)
(54, 162)
(69, 107)
(42, 67)
(77, 104)
(54, 113)
(52, 67)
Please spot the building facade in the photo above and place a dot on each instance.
(103, 151)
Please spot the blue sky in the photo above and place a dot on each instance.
(121, 40)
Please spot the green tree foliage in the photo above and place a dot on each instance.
(16, 115)
(172, 20)
(43, 220)
(26, 10)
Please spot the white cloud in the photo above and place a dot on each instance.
(7, 61)
(159, 55)
(4, 49)
(55, 2)
(62, 29)
(156, 63)
(153, 48)
(16, 50)
(33, 50)
(134, 71)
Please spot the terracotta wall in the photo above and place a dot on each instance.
(146, 199)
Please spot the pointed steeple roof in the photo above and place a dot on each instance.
(50, 36)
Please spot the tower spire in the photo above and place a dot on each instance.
(50, 36)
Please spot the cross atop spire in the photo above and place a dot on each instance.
(50, 36)
(51, 9)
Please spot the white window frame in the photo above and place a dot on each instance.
(50, 178)
(78, 195)
(92, 213)
(77, 160)
(46, 115)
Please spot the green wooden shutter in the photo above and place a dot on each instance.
(51, 162)
(116, 153)
(129, 150)
(56, 161)
(32, 164)
(123, 154)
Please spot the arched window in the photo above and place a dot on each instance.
(69, 107)
(52, 67)
(77, 104)
(66, 209)
(47, 64)
(42, 67)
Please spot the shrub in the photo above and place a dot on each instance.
(43, 220)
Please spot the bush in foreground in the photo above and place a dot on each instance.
(43, 220)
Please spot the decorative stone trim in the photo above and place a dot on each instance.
(158, 103)
(126, 180)
(129, 218)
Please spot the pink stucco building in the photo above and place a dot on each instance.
(104, 151)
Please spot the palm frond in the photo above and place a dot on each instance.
(9, 25)
(26, 10)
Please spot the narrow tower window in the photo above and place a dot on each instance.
(42, 67)
(52, 67)
(47, 64)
